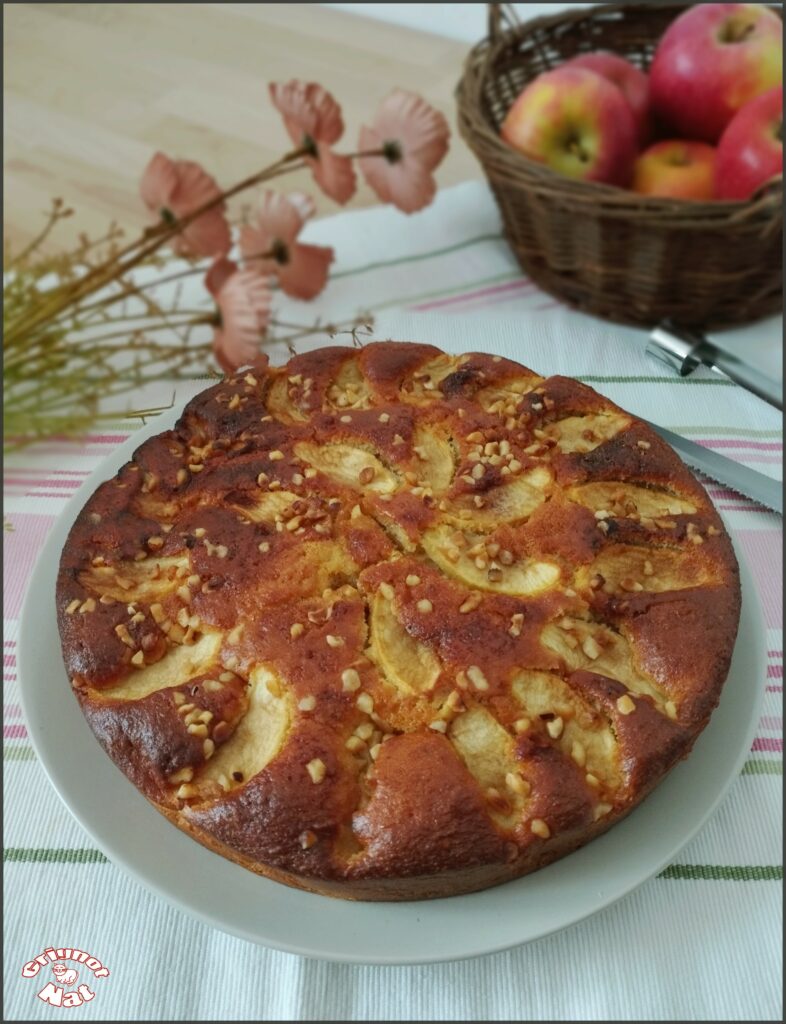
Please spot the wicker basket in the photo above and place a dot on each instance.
(607, 250)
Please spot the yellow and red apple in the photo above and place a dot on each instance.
(676, 169)
(750, 151)
(577, 123)
(710, 62)
(629, 79)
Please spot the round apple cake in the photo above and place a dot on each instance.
(390, 624)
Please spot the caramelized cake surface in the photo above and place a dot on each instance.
(391, 624)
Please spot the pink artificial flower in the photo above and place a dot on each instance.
(244, 299)
(270, 245)
(172, 189)
(313, 119)
(218, 274)
(413, 137)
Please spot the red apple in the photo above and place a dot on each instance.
(577, 123)
(677, 170)
(750, 151)
(627, 77)
(710, 62)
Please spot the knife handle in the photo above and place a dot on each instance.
(684, 350)
(749, 378)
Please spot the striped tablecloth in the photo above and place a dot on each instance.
(700, 942)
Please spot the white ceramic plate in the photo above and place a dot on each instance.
(138, 839)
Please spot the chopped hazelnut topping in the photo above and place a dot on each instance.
(670, 708)
(366, 703)
(307, 703)
(476, 677)
(578, 753)
(516, 784)
(539, 826)
(307, 839)
(316, 769)
(334, 641)
(590, 647)
(425, 606)
(387, 591)
(471, 603)
(554, 727)
(438, 725)
(296, 629)
(625, 705)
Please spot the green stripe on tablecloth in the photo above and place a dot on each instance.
(18, 754)
(44, 855)
(416, 258)
(722, 431)
(692, 872)
(724, 872)
(763, 768)
(622, 379)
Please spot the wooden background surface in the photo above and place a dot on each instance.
(92, 90)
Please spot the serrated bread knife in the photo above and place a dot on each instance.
(756, 486)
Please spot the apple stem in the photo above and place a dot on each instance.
(735, 32)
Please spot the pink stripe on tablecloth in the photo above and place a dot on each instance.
(771, 722)
(481, 293)
(762, 446)
(90, 438)
(19, 482)
(9, 677)
(21, 546)
(774, 654)
(769, 744)
(14, 732)
(9, 659)
(775, 671)
(764, 550)
(746, 508)
(47, 472)
(12, 710)
(774, 689)
(46, 494)
(9, 643)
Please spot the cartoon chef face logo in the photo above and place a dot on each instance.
(64, 975)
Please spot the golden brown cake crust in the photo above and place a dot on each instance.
(386, 623)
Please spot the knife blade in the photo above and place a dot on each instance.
(754, 485)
